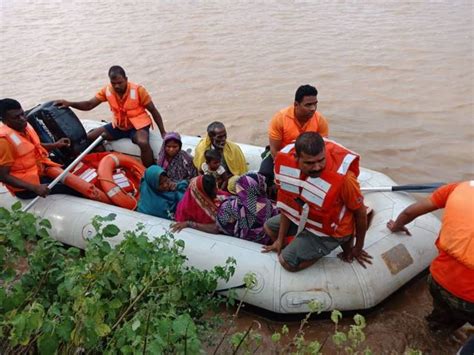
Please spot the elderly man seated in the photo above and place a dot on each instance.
(233, 159)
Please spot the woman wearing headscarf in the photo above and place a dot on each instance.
(159, 195)
(242, 215)
(200, 202)
(177, 163)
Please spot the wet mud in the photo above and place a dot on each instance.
(393, 327)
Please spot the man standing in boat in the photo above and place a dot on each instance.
(451, 279)
(233, 159)
(290, 122)
(23, 158)
(320, 202)
(129, 103)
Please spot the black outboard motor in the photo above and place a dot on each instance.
(52, 123)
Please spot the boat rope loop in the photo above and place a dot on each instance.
(231, 288)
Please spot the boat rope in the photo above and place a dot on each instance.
(231, 288)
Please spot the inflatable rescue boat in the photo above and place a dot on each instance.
(397, 258)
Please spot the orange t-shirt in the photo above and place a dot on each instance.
(452, 275)
(353, 199)
(7, 156)
(286, 128)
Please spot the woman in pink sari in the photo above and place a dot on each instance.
(200, 202)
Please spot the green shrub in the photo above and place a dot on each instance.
(137, 297)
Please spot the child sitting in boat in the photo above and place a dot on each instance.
(212, 166)
(177, 163)
(159, 195)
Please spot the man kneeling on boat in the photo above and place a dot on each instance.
(23, 158)
(320, 202)
(128, 102)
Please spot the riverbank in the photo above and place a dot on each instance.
(393, 327)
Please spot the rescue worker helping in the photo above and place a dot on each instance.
(128, 102)
(451, 280)
(320, 202)
(23, 159)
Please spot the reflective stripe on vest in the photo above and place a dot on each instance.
(28, 153)
(294, 216)
(129, 112)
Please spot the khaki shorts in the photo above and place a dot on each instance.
(306, 246)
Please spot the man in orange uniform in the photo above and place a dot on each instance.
(451, 279)
(128, 102)
(320, 202)
(23, 157)
(290, 122)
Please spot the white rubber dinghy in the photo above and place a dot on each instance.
(397, 258)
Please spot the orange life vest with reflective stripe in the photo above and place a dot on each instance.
(314, 204)
(128, 113)
(457, 237)
(29, 155)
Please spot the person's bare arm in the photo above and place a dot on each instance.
(275, 146)
(156, 117)
(5, 177)
(282, 233)
(208, 228)
(357, 251)
(409, 214)
(360, 216)
(80, 105)
(61, 143)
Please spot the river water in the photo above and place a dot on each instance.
(395, 79)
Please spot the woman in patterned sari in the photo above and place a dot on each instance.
(177, 163)
(242, 215)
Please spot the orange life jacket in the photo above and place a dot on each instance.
(314, 204)
(129, 112)
(30, 156)
(457, 237)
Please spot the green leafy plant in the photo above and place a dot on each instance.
(136, 297)
(17, 230)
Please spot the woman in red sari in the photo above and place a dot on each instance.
(200, 202)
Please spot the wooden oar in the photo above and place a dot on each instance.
(409, 188)
(66, 171)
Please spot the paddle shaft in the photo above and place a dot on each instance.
(422, 188)
(66, 171)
